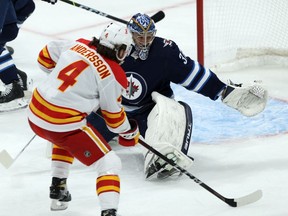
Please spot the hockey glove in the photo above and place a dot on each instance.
(51, 1)
(130, 137)
(249, 100)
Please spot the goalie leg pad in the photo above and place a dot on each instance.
(168, 122)
(169, 130)
(188, 129)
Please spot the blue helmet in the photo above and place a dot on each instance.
(141, 23)
(143, 32)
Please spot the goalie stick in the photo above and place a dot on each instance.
(156, 17)
(250, 198)
(6, 160)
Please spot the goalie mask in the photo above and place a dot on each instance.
(117, 38)
(143, 32)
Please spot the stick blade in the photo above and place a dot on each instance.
(245, 200)
(5, 159)
(158, 16)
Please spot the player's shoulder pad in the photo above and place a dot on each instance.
(118, 72)
(164, 43)
(84, 41)
(164, 47)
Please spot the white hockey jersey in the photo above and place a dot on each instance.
(80, 81)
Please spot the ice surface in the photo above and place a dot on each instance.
(234, 155)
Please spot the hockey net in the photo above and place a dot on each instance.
(242, 33)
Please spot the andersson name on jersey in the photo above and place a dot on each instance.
(93, 58)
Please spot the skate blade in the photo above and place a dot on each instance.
(17, 104)
(153, 170)
(173, 174)
(56, 205)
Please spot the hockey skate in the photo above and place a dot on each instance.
(22, 79)
(16, 95)
(59, 194)
(162, 171)
(13, 97)
(170, 172)
(160, 168)
(12, 91)
(165, 173)
(109, 212)
(153, 169)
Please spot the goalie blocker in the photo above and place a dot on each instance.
(169, 131)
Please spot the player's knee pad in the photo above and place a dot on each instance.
(109, 164)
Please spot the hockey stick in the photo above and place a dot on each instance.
(250, 198)
(156, 17)
(6, 160)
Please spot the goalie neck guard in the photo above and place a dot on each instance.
(143, 31)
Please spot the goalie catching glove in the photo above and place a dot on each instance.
(249, 100)
(130, 137)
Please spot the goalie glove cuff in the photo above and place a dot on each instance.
(226, 92)
(229, 88)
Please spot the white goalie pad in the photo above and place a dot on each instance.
(249, 100)
(166, 122)
(166, 131)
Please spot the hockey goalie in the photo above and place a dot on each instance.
(170, 126)
(169, 131)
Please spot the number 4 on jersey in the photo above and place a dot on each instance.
(69, 74)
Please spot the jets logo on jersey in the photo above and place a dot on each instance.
(136, 89)
(133, 87)
(167, 43)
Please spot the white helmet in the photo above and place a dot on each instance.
(114, 37)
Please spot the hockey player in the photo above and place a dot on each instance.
(166, 124)
(84, 76)
(12, 14)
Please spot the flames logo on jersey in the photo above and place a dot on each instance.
(136, 89)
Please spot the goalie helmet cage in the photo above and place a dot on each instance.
(234, 34)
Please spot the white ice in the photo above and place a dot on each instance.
(234, 155)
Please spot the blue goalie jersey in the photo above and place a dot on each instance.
(165, 64)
